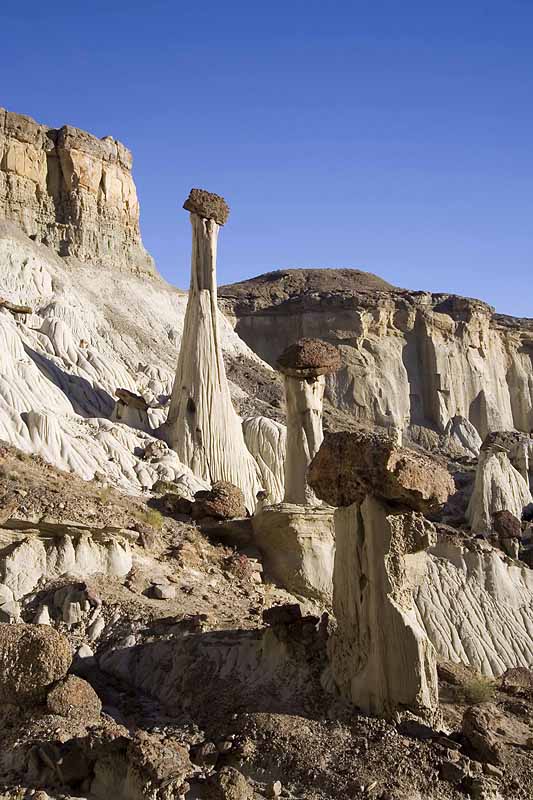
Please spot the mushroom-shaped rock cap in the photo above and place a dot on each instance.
(207, 205)
(352, 464)
(308, 358)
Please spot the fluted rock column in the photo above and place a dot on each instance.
(202, 426)
(304, 366)
(380, 655)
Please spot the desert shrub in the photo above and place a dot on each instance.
(479, 690)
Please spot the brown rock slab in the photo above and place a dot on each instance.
(353, 464)
(478, 731)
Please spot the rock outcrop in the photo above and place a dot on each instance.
(71, 191)
(498, 487)
(381, 658)
(409, 358)
(202, 425)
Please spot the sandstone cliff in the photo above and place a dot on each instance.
(71, 191)
(410, 358)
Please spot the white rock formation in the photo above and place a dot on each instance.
(266, 440)
(304, 365)
(498, 487)
(477, 606)
(202, 425)
(381, 658)
(60, 370)
(298, 548)
(408, 357)
(26, 558)
(463, 434)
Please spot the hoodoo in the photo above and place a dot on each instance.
(304, 365)
(380, 656)
(202, 425)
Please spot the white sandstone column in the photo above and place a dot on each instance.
(202, 426)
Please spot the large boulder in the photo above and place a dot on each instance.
(352, 464)
(32, 658)
(223, 501)
(74, 698)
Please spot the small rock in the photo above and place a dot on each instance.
(96, 629)
(164, 591)
(274, 789)
(84, 651)
(42, 616)
(10, 612)
(452, 772)
(490, 769)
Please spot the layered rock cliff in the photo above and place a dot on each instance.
(71, 191)
(410, 358)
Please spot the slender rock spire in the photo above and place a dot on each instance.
(202, 426)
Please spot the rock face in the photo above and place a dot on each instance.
(202, 425)
(32, 657)
(71, 191)
(476, 605)
(408, 357)
(350, 465)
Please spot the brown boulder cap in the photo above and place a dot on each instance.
(308, 358)
(207, 205)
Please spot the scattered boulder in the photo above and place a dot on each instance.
(352, 464)
(506, 525)
(74, 698)
(32, 658)
(230, 784)
(223, 501)
(478, 731)
(284, 614)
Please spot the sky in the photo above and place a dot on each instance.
(393, 136)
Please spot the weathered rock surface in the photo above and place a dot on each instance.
(476, 606)
(74, 698)
(381, 658)
(498, 487)
(222, 501)
(71, 191)
(408, 357)
(350, 465)
(32, 658)
(298, 548)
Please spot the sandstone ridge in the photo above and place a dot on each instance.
(71, 191)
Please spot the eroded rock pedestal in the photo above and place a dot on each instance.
(298, 548)
(381, 658)
(202, 426)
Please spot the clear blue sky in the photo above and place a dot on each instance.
(386, 135)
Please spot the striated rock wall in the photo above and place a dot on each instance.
(408, 357)
(71, 191)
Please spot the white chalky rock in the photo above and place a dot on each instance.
(202, 425)
(498, 487)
